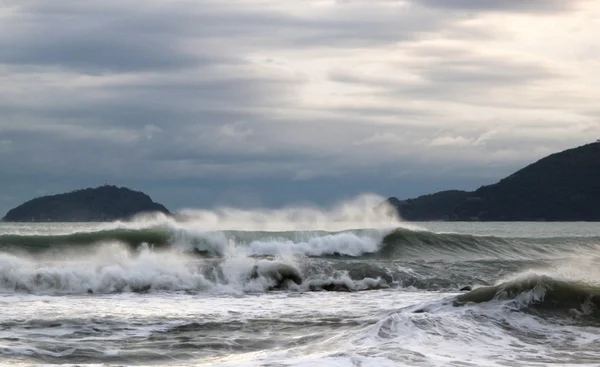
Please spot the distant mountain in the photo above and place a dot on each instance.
(564, 186)
(104, 203)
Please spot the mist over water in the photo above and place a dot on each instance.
(299, 286)
(365, 211)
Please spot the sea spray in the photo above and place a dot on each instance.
(230, 296)
(364, 211)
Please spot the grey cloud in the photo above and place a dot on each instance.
(440, 65)
(402, 112)
(113, 37)
(458, 75)
(89, 53)
(483, 72)
(536, 6)
(181, 95)
(466, 59)
(102, 44)
(177, 103)
(112, 132)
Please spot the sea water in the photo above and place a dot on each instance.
(236, 291)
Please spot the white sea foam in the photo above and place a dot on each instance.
(489, 334)
(112, 268)
(349, 244)
(230, 319)
(359, 212)
(310, 243)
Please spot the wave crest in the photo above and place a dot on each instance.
(115, 268)
(540, 293)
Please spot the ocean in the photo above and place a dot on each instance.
(299, 287)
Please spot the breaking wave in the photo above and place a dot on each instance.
(116, 268)
(511, 300)
(193, 254)
(132, 237)
(540, 293)
(401, 243)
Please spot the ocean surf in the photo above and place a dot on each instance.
(199, 292)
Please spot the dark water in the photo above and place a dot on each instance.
(162, 292)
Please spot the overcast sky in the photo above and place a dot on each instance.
(275, 102)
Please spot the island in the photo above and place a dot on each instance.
(564, 186)
(101, 204)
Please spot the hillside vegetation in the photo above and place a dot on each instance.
(104, 203)
(564, 186)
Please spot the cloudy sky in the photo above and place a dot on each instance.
(274, 102)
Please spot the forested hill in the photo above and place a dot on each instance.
(564, 186)
(104, 203)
